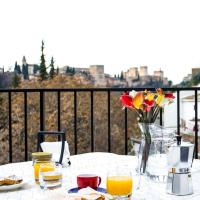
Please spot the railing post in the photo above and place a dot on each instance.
(58, 104)
(42, 112)
(196, 124)
(75, 122)
(91, 121)
(126, 130)
(109, 129)
(25, 127)
(58, 114)
(10, 125)
(178, 112)
(161, 117)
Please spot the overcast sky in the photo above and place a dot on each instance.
(117, 33)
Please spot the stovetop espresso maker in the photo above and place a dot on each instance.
(179, 160)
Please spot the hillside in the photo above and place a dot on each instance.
(67, 118)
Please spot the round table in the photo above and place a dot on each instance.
(98, 163)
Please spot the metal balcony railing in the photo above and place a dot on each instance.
(42, 92)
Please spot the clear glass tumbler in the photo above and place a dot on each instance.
(50, 176)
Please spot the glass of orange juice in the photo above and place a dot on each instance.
(47, 166)
(119, 184)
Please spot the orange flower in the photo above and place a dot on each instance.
(138, 100)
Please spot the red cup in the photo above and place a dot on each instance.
(88, 180)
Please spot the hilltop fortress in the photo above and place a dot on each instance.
(133, 77)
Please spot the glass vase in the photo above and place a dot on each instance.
(152, 156)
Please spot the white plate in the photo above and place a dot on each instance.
(12, 187)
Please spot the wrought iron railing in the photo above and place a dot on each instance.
(42, 92)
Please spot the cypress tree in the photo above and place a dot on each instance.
(52, 70)
(57, 70)
(16, 80)
(73, 70)
(25, 72)
(122, 75)
(43, 70)
(67, 70)
(17, 68)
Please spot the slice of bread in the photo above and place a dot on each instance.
(10, 180)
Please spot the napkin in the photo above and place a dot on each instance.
(55, 149)
(89, 194)
(83, 194)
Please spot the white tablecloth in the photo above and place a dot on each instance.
(98, 163)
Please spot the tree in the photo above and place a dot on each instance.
(52, 69)
(73, 71)
(3, 115)
(43, 70)
(57, 70)
(25, 72)
(170, 83)
(195, 79)
(122, 76)
(70, 71)
(17, 68)
(16, 80)
(67, 70)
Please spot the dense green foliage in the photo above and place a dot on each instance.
(16, 80)
(70, 70)
(17, 68)
(195, 80)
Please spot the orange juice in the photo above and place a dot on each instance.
(119, 185)
(46, 166)
(52, 176)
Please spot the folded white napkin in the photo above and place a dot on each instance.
(55, 149)
(89, 194)
(83, 194)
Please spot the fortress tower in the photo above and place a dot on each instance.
(97, 71)
(24, 61)
(143, 71)
(159, 74)
(132, 72)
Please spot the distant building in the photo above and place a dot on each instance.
(1, 70)
(97, 72)
(132, 73)
(133, 77)
(195, 71)
(143, 71)
(187, 78)
(63, 70)
(140, 78)
(29, 71)
(159, 74)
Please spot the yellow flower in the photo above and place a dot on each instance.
(160, 96)
(150, 96)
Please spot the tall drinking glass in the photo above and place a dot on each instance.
(119, 184)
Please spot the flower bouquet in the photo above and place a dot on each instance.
(147, 106)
